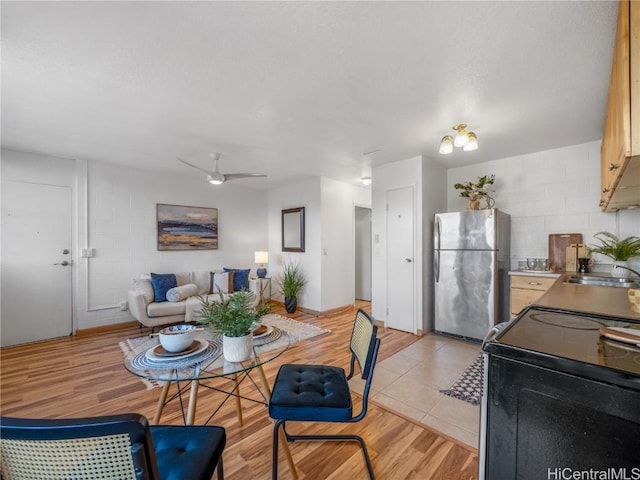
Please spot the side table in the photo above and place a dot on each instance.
(264, 287)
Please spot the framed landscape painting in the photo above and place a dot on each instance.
(186, 228)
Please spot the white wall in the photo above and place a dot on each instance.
(328, 260)
(338, 243)
(302, 194)
(121, 226)
(554, 191)
(434, 195)
(122, 229)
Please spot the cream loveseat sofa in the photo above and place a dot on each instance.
(180, 303)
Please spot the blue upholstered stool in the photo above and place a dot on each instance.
(320, 393)
(314, 393)
(188, 452)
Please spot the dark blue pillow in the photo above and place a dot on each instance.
(162, 283)
(240, 278)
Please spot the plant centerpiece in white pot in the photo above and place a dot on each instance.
(477, 193)
(619, 250)
(291, 283)
(235, 319)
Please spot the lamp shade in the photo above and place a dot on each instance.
(446, 145)
(461, 139)
(472, 144)
(261, 257)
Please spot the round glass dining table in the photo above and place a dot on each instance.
(202, 361)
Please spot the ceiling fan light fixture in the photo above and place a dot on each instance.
(215, 179)
(446, 145)
(472, 143)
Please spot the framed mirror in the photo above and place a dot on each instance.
(293, 230)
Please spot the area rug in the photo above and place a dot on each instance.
(296, 332)
(469, 386)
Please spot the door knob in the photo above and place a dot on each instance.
(408, 260)
(64, 263)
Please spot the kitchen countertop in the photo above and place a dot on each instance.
(590, 299)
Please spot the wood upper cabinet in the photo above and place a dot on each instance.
(526, 289)
(620, 151)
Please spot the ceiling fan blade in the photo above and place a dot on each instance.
(236, 176)
(208, 172)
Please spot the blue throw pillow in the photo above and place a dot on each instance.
(162, 283)
(240, 278)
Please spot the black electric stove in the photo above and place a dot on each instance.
(558, 395)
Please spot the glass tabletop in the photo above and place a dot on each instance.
(204, 360)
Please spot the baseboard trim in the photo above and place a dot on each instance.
(105, 328)
(317, 313)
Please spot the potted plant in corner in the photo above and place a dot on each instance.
(477, 194)
(291, 284)
(619, 250)
(235, 319)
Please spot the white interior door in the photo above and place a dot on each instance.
(36, 284)
(363, 253)
(401, 313)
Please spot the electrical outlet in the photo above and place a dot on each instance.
(123, 305)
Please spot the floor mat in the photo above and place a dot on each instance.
(469, 386)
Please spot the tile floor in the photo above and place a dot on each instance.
(410, 381)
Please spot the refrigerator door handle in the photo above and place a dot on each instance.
(436, 233)
(436, 265)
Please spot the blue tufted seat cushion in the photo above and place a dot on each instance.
(187, 453)
(311, 393)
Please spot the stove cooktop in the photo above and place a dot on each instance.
(552, 336)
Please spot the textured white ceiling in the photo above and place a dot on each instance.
(294, 89)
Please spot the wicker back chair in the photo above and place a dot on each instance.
(321, 393)
(100, 448)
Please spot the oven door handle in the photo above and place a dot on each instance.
(493, 333)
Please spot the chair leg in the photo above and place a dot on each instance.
(335, 438)
(220, 470)
(274, 460)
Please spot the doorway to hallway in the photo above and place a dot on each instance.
(362, 253)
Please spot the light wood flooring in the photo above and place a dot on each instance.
(84, 376)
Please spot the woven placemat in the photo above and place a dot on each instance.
(296, 332)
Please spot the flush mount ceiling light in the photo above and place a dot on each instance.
(366, 180)
(468, 141)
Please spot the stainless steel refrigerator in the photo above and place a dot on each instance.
(471, 266)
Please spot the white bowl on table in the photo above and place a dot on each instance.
(177, 337)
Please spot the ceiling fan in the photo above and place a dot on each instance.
(215, 177)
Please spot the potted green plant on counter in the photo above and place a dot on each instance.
(235, 318)
(477, 194)
(619, 250)
(291, 283)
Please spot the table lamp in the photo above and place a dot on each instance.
(261, 258)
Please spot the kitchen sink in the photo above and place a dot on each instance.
(602, 281)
